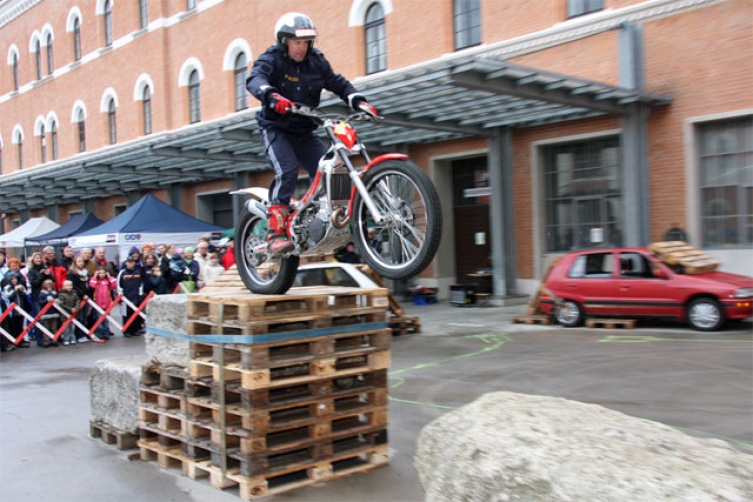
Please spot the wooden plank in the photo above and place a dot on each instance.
(611, 323)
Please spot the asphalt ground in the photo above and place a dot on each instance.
(700, 383)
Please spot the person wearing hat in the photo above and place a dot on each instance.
(15, 290)
(134, 253)
(131, 284)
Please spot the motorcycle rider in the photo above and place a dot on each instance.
(293, 71)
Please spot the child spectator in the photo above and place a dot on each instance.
(78, 274)
(212, 269)
(131, 284)
(50, 320)
(156, 282)
(69, 301)
(102, 286)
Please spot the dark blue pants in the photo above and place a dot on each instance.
(285, 153)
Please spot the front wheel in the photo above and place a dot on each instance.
(705, 314)
(569, 314)
(260, 272)
(405, 243)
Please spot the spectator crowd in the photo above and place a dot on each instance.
(69, 278)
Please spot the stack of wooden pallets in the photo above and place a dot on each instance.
(281, 391)
(679, 253)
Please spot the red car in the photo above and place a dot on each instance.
(631, 282)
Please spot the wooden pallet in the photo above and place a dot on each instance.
(110, 435)
(679, 253)
(611, 323)
(532, 319)
(402, 325)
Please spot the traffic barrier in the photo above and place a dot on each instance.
(105, 314)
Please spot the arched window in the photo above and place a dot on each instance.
(77, 39)
(81, 119)
(15, 71)
(191, 4)
(194, 97)
(38, 58)
(54, 140)
(108, 23)
(50, 65)
(376, 39)
(241, 95)
(42, 145)
(146, 104)
(112, 122)
(143, 14)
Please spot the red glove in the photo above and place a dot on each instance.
(280, 103)
(368, 109)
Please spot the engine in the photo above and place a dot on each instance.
(314, 225)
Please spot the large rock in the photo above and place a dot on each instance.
(114, 393)
(168, 313)
(513, 447)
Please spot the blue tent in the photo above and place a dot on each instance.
(149, 220)
(59, 237)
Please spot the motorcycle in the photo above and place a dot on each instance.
(389, 195)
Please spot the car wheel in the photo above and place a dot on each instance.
(705, 314)
(569, 313)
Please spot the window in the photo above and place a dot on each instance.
(726, 182)
(241, 95)
(54, 140)
(467, 21)
(581, 7)
(50, 65)
(111, 122)
(143, 14)
(38, 58)
(582, 197)
(15, 71)
(81, 131)
(77, 39)
(42, 145)
(376, 40)
(591, 266)
(108, 23)
(194, 97)
(191, 4)
(146, 104)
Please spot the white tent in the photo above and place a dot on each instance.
(32, 228)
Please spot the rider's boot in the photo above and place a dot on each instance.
(278, 240)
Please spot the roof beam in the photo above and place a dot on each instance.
(577, 97)
(399, 119)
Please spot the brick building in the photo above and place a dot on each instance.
(546, 126)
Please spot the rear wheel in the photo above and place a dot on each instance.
(705, 314)
(569, 314)
(259, 272)
(410, 235)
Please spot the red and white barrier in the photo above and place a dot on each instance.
(68, 318)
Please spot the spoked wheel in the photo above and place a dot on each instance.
(260, 273)
(409, 237)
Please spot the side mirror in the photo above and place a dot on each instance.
(659, 273)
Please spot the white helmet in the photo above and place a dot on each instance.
(294, 26)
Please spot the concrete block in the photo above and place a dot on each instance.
(114, 392)
(168, 313)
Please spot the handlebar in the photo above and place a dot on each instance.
(322, 118)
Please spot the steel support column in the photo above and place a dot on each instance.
(502, 217)
(634, 141)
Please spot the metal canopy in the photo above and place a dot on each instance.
(451, 98)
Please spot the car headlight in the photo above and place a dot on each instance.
(743, 293)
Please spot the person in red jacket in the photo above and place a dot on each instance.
(59, 271)
(102, 286)
(228, 256)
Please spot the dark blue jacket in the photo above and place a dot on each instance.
(299, 82)
(130, 282)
